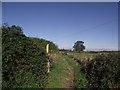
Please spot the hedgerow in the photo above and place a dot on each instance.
(24, 65)
(41, 43)
(104, 71)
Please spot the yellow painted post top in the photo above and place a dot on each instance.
(47, 48)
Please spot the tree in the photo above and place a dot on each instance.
(78, 46)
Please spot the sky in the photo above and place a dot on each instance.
(64, 23)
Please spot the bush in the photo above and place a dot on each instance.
(41, 43)
(104, 71)
(23, 63)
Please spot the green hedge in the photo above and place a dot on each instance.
(41, 43)
(104, 71)
(23, 63)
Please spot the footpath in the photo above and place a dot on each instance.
(65, 73)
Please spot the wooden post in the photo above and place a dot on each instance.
(47, 48)
(48, 63)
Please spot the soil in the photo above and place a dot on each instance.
(68, 82)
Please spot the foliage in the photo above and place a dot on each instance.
(104, 71)
(41, 43)
(23, 63)
(78, 46)
(101, 71)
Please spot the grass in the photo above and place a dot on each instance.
(63, 66)
(80, 80)
(60, 73)
(88, 54)
(83, 54)
(56, 74)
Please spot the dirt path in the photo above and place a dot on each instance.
(68, 81)
(62, 75)
(66, 73)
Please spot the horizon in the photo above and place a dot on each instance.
(65, 23)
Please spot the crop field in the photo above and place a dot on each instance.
(82, 55)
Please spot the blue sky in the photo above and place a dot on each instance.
(64, 23)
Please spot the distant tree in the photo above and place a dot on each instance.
(78, 46)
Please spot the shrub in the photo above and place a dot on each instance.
(104, 71)
(41, 43)
(23, 63)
